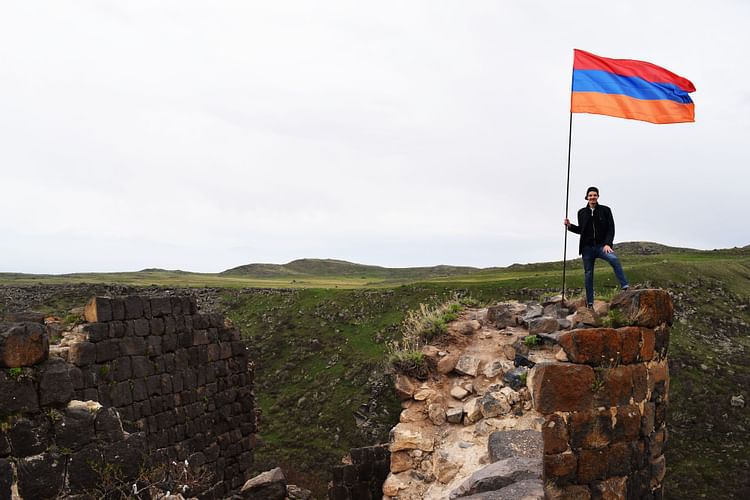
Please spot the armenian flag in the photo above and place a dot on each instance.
(626, 88)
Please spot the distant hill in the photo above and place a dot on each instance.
(159, 270)
(648, 248)
(332, 267)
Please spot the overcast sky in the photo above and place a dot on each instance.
(207, 135)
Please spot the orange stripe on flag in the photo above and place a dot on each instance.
(654, 111)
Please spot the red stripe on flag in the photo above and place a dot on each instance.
(630, 67)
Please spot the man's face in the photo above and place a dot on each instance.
(593, 198)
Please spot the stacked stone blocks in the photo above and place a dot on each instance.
(52, 446)
(604, 430)
(363, 478)
(143, 382)
(181, 377)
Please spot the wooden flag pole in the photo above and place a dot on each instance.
(567, 195)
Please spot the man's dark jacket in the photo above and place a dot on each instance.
(599, 230)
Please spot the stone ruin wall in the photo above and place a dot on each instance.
(602, 409)
(143, 378)
(362, 478)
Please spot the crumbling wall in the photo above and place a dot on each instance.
(50, 444)
(363, 477)
(173, 385)
(596, 428)
(605, 407)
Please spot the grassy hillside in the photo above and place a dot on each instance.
(318, 353)
(302, 268)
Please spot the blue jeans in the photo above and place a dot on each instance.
(590, 254)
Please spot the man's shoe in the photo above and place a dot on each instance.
(625, 288)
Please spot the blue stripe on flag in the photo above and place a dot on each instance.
(590, 80)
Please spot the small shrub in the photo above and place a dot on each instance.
(532, 340)
(615, 319)
(15, 372)
(608, 294)
(412, 363)
(71, 319)
(598, 383)
(419, 327)
(53, 414)
(469, 301)
(7, 422)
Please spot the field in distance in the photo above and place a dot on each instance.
(640, 258)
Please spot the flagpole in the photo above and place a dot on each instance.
(567, 195)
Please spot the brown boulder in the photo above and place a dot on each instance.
(23, 344)
(585, 316)
(408, 436)
(269, 485)
(544, 324)
(502, 316)
(404, 387)
(466, 327)
(649, 308)
(447, 363)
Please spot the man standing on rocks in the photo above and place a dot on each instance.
(597, 229)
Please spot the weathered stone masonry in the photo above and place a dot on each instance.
(604, 429)
(181, 382)
(363, 477)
